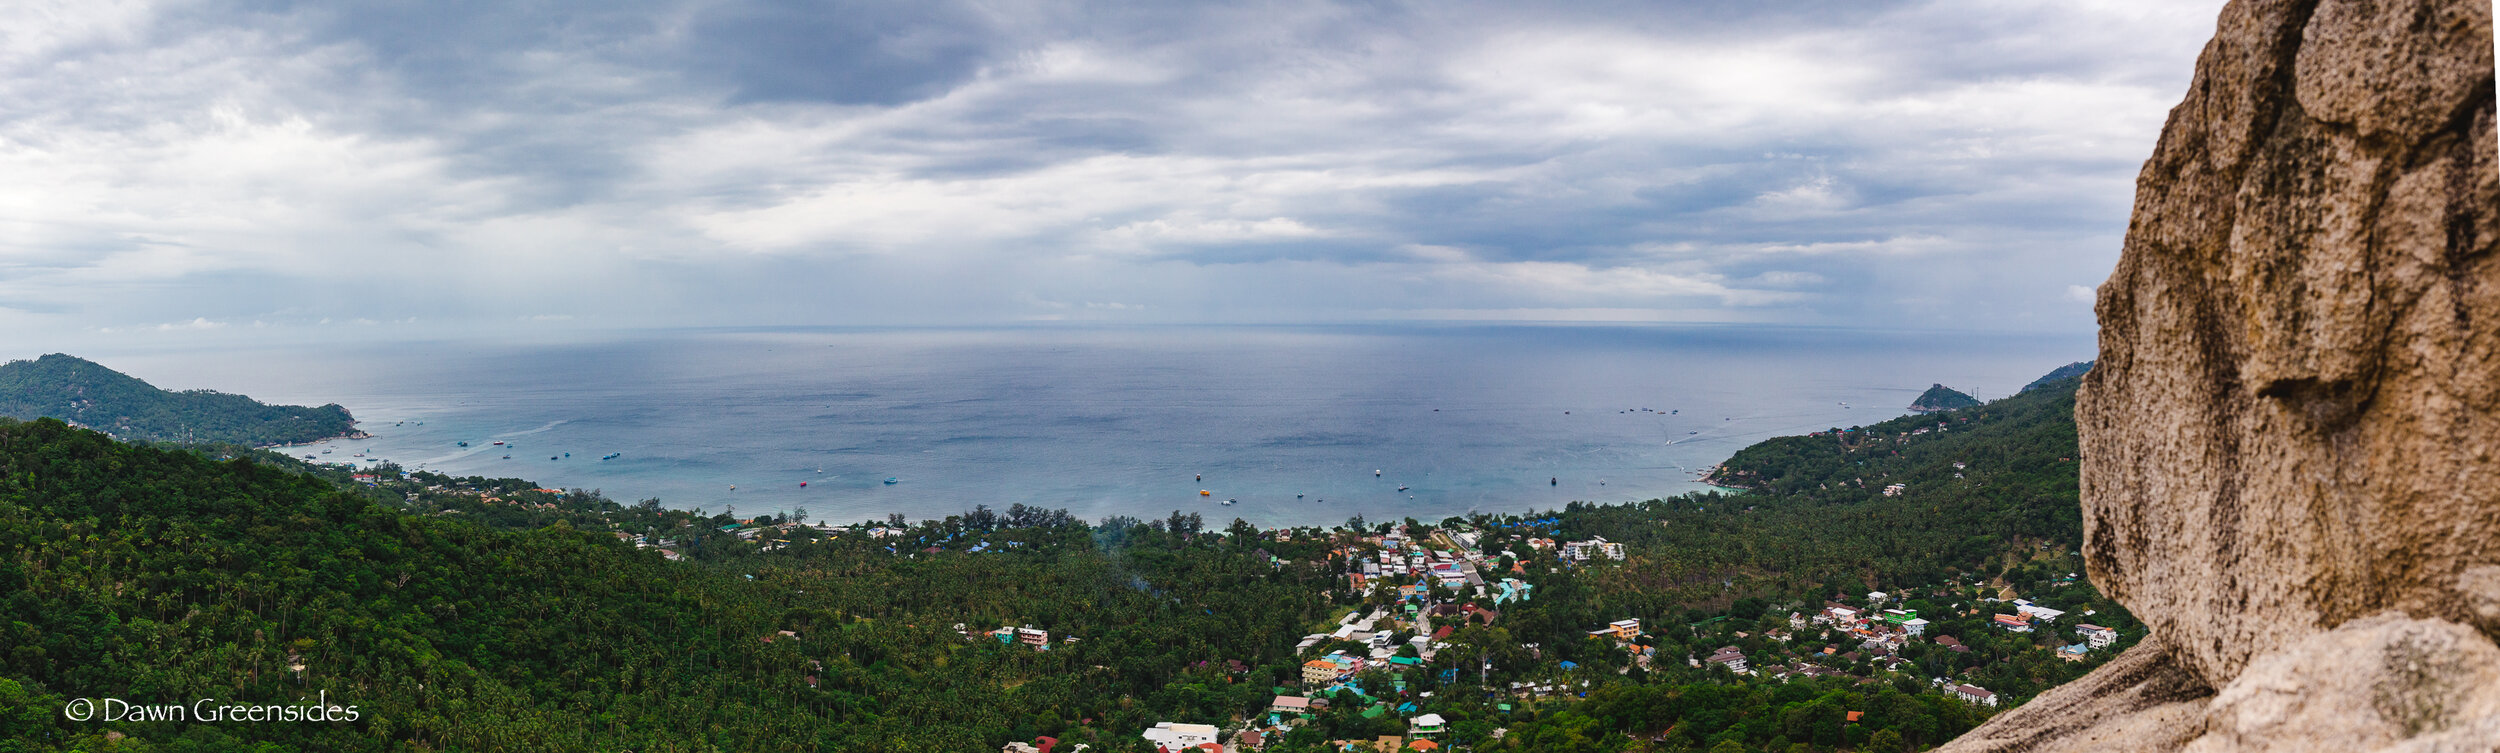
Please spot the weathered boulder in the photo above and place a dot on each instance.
(2289, 439)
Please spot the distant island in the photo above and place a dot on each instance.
(1940, 397)
(85, 393)
(2068, 371)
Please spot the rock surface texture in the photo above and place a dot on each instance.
(2291, 442)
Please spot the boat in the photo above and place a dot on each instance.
(1205, 493)
(568, 454)
(1401, 488)
(325, 452)
(1676, 411)
(615, 455)
(1225, 502)
(552, 457)
(498, 444)
(507, 457)
(890, 481)
(1297, 496)
(464, 444)
(802, 484)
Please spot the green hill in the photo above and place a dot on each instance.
(2068, 371)
(88, 394)
(487, 614)
(1939, 398)
(481, 615)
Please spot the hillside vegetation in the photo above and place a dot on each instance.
(88, 394)
(487, 614)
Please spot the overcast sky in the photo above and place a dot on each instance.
(431, 168)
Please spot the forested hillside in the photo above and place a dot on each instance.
(164, 577)
(86, 393)
(489, 614)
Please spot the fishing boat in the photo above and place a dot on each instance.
(464, 444)
(890, 481)
(498, 444)
(1225, 502)
(1401, 488)
(1205, 493)
(612, 456)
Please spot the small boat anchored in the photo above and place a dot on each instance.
(890, 481)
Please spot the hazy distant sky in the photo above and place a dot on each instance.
(431, 168)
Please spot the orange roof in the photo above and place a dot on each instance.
(1853, 716)
(1424, 745)
(1318, 663)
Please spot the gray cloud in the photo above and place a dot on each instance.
(446, 166)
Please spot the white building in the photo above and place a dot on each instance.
(1169, 736)
(2096, 636)
(1426, 725)
(1975, 694)
(2037, 612)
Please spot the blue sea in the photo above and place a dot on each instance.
(1298, 426)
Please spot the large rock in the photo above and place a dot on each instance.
(2289, 440)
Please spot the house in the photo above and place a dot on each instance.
(1031, 637)
(1289, 704)
(1914, 626)
(2019, 623)
(2035, 611)
(1318, 672)
(1619, 629)
(1975, 694)
(1729, 657)
(1428, 724)
(2096, 636)
(1177, 737)
(2073, 653)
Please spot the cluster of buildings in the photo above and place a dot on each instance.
(1012, 635)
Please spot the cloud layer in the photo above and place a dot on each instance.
(444, 167)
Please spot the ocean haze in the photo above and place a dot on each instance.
(1116, 420)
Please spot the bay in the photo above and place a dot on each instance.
(1296, 425)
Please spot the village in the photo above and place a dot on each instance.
(1402, 659)
(1392, 659)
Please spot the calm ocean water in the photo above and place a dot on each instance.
(1292, 423)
